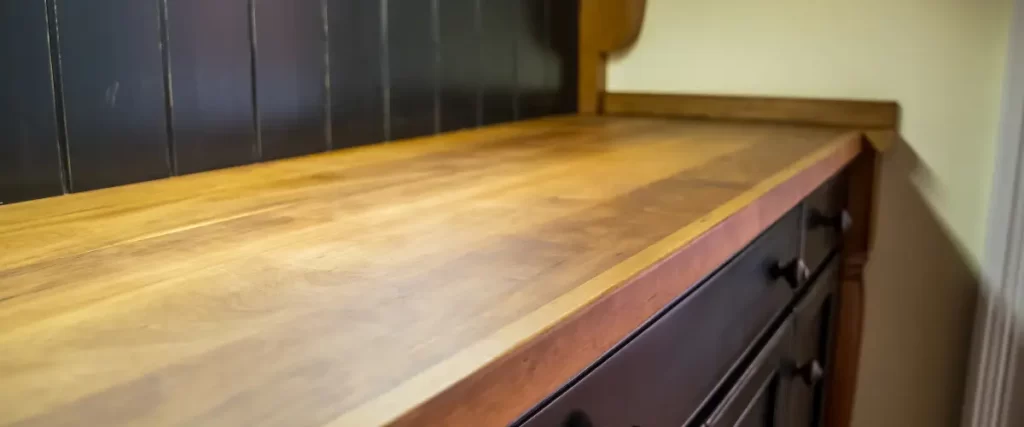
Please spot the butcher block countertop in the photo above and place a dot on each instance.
(450, 280)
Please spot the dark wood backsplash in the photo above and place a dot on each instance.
(109, 92)
(30, 165)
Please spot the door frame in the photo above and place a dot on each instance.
(994, 396)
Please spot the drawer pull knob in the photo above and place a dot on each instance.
(811, 373)
(841, 222)
(795, 272)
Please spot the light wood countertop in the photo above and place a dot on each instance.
(440, 280)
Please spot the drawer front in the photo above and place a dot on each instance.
(663, 375)
(825, 219)
(814, 323)
(759, 396)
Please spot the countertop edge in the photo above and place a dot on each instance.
(563, 337)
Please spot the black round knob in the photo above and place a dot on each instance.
(840, 222)
(794, 272)
(577, 418)
(811, 373)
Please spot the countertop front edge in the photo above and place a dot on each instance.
(490, 383)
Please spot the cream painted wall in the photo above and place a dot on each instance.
(943, 60)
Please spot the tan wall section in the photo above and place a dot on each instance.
(943, 61)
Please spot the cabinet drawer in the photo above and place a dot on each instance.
(825, 219)
(663, 375)
(813, 324)
(759, 394)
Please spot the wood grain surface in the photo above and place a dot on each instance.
(864, 175)
(858, 114)
(449, 280)
(880, 121)
(605, 26)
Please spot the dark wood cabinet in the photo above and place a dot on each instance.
(813, 321)
(749, 347)
(825, 220)
(669, 370)
(760, 395)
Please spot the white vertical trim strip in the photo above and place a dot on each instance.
(990, 395)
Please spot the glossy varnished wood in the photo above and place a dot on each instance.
(605, 26)
(451, 280)
(863, 178)
(819, 112)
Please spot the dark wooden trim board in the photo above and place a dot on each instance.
(820, 112)
(863, 177)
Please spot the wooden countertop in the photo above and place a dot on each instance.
(451, 280)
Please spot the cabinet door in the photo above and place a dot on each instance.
(813, 329)
(761, 392)
(825, 221)
(665, 374)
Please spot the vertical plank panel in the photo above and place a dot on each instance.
(357, 86)
(113, 86)
(211, 80)
(290, 77)
(460, 63)
(563, 24)
(498, 59)
(412, 67)
(499, 42)
(29, 157)
(536, 95)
